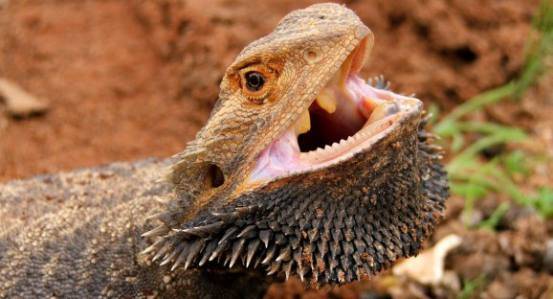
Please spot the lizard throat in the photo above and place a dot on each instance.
(346, 118)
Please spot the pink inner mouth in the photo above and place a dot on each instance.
(363, 112)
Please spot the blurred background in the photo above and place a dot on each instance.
(89, 82)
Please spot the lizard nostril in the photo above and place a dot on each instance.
(215, 176)
(312, 56)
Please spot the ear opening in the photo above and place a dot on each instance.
(215, 176)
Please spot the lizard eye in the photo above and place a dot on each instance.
(257, 82)
(254, 81)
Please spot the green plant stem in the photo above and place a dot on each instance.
(480, 145)
(494, 219)
(476, 103)
(471, 286)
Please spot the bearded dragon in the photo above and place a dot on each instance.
(303, 169)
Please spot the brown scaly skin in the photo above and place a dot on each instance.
(77, 235)
(333, 225)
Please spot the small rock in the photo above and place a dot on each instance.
(18, 102)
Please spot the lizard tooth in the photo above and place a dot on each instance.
(327, 101)
(358, 136)
(303, 124)
(316, 151)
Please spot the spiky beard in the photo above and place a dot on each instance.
(334, 226)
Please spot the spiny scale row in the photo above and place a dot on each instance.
(331, 243)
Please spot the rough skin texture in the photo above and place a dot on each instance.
(334, 225)
(77, 235)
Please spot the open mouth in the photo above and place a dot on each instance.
(346, 117)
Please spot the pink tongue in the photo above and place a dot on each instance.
(279, 157)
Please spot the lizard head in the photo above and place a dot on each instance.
(303, 167)
(266, 94)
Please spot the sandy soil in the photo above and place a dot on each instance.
(133, 79)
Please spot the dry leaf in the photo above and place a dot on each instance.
(428, 267)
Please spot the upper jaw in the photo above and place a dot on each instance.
(366, 113)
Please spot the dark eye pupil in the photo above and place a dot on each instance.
(254, 81)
